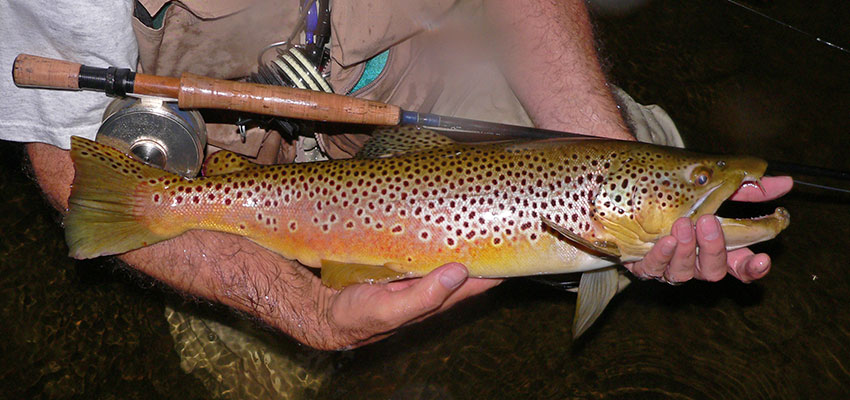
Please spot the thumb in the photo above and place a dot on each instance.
(423, 296)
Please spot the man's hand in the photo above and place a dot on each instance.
(674, 257)
(364, 313)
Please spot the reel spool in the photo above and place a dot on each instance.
(156, 132)
(305, 67)
(292, 68)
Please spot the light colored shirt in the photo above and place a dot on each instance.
(95, 33)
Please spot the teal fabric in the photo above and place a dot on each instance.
(374, 67)
(159, 18)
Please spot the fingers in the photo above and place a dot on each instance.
(746, 266)
(682, 266)
(656, 261)
(422, 297)
(774, 186)
(365, 313)
(711, 262)
(674, 258)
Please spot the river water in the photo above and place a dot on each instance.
(734, 82)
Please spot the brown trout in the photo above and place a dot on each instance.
(413, 200)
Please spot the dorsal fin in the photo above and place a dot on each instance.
(398, 140)
(225, 162)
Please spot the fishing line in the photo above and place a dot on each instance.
(774, 166)
(789, 26)
(799, 182)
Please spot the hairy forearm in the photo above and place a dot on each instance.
(550, 60)
(238, 273)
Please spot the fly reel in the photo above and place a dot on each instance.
(156, 132)
(293, 68)
(304, 66)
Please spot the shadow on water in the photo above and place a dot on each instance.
(733, 82)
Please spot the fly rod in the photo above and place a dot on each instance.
(195, 91)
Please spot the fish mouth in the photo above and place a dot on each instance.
(739, 173)
(742, 232)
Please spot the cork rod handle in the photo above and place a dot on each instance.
(34, 71)
(195, 91)
(202, 92)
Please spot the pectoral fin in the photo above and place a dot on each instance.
(338, 275)
(607, 248)
(595, 291)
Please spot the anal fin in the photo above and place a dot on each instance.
(595, 291)
(338, 275)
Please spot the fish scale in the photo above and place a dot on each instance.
(479, 204)
(413, 200)
(476, 204)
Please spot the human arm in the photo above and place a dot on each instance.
(550, 59)
(238, 273)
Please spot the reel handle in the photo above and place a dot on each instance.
(34, 71)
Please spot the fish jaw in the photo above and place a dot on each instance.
(742, 232)
(649, 188)
(735, 172)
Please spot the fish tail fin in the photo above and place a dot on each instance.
(103, 216)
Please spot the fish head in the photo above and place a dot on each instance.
(648, 187)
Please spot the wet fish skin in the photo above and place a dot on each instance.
(481, 205)
(414, 200)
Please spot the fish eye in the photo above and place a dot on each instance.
(721, 164)
(701, 176)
